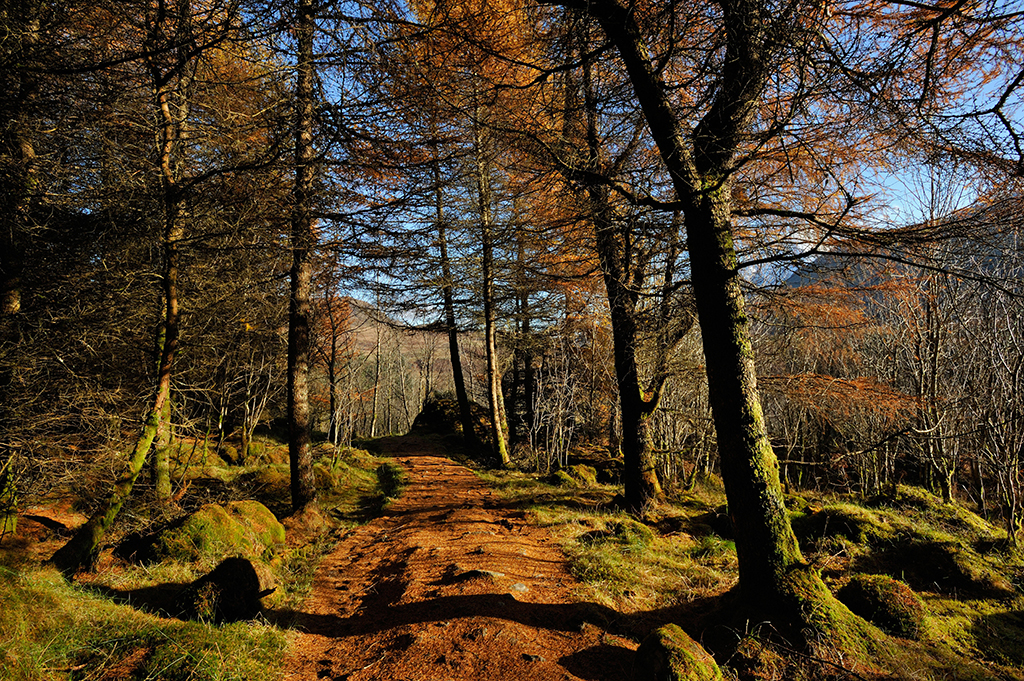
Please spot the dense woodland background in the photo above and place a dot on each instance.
(187, 182)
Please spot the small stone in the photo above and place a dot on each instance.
(530, 657)
(519, 586)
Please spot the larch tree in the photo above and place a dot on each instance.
(731, 82)
(170, 41)
(303, 241)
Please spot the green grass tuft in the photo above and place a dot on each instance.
(52, 630)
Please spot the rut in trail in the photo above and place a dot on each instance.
(450, 584)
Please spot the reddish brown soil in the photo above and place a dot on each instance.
(449, 584)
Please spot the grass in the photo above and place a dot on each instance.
(625, 564)
(52, 630)
(972, 625)
(110, 625)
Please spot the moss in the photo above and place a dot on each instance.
(327, 479)
(391, 479)
(563, 478)
(857, 524)
(755, 658)
(888, 603)
(631, 533)
(808, 615)
(711, 546)
(945, 566)
(587, 475)
(258, 518)
(669, 654)
(243, 528)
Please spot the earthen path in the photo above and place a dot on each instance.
(449, 585)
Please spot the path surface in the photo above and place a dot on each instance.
(449, 585)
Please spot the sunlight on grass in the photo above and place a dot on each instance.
(51, 630)
(623, 563)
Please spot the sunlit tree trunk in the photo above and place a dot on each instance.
(495, 401)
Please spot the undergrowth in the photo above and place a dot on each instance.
(115, 623)
(941, 574)
(52, 630)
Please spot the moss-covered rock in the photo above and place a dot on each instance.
(563, 478)
(239, 528)
(578, 475)
(231, 592)
(886, 602)
(669, 654)
(587, 475)
(631, 532)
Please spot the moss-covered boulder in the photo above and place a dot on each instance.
(587, 475)
(231, 592)
(631, 532)
(238, 528)
(578, 475)
(669, 654)
(886, 602)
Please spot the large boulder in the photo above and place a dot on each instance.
(669, 654)
(231, 592)
(238, 528)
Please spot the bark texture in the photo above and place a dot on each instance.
(700, 165)
(303, 485)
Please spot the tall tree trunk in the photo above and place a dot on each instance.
(770, 564)
(451, 325)
(19, 190)
(612, 238)
(495, 401)
(300, 456)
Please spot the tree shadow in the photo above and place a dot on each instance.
(600, 662)
(158, 599)
(1000, 636)
(381, 613)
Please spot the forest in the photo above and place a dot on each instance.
(774, 243)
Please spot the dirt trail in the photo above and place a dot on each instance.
(449, 584)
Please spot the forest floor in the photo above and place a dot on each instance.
(449, 583)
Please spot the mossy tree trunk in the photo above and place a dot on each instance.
(171, 83)
(700, 165)
(495, 401)
(160, 463)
